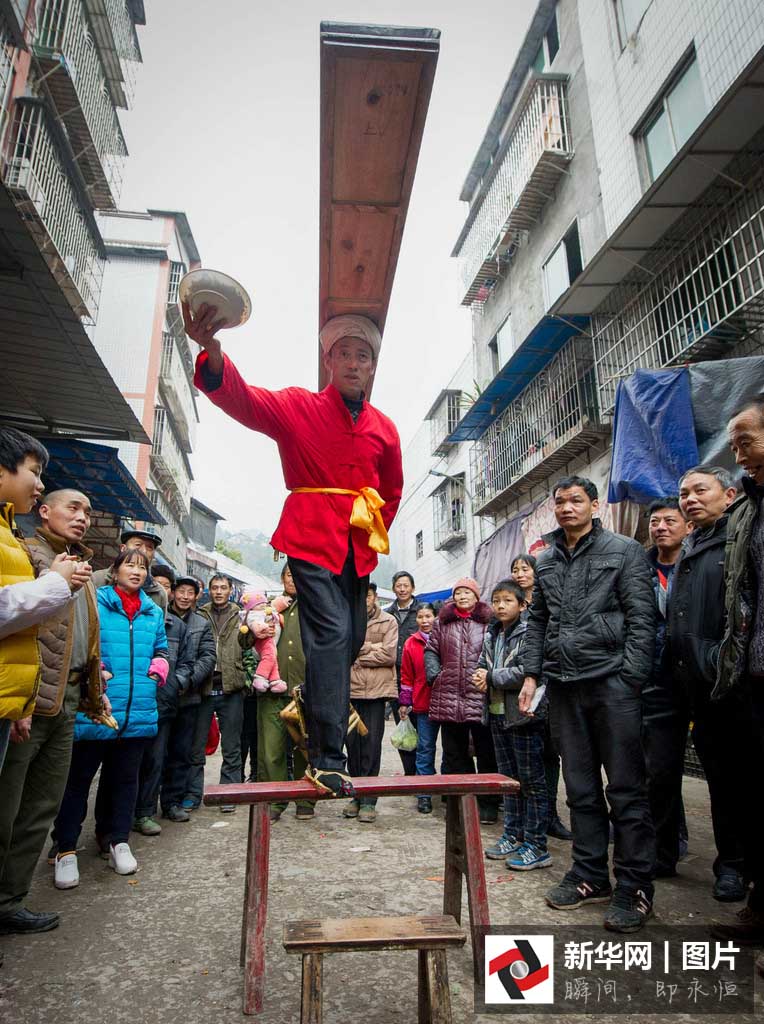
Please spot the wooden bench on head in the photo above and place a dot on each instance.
(430, 935)
(463, 855)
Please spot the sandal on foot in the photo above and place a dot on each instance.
(336, 784)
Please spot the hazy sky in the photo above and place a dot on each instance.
(226, 127)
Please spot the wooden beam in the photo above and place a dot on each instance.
(376, 82)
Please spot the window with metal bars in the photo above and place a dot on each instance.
(449, 518)
(177, 271)
(419, 544)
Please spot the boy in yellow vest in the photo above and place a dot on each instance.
(24, 600)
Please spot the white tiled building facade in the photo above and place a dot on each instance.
(615, 221)
(140, 338)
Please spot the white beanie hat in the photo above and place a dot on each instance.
(350, 326)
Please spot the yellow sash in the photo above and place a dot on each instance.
(365, 513)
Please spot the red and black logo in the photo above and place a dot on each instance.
(519, 969)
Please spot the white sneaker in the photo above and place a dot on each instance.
(121, 859)
(66, 873)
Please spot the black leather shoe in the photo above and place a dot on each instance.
(558, 831)
(424, 804)
(27, 921)
(729, 887)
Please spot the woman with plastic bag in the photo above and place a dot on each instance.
(415, 699)
(372, 683)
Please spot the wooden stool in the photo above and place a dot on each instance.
(430, 935)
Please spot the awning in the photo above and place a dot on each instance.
(721, 136)
(540, 346)
(54, 381)
(95, 469)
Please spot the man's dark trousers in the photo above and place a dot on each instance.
(229, 708)
(333, 622)
(721, 732)
(365, 752)
(165, 765)
(665, 724)
(249, 737)
(597, 724)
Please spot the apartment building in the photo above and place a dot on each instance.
(66, 68)
(140, 337)
(615, 222)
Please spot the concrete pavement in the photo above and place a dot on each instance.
(163, 945)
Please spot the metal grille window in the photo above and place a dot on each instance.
(41, 188)
(168, 466)
(419, 544)
(6, 71)
(553, 419)
(177, 390)
(449, 519)
(177, 271)
(445, 421)
(538, 148)
(69, 58)
(703, 298)
(679, 113)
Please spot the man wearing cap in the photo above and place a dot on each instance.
(341, 460)
(139, 540)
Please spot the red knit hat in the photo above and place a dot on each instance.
(469, 583)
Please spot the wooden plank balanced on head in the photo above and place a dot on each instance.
(398, 785)
(376, 82)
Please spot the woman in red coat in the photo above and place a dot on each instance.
(414, 698)
(451, 657)
(341, 460)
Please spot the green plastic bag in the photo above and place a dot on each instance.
(404, 735)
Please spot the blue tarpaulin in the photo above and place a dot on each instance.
(433, 595)
(653, 435)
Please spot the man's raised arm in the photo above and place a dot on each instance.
(256, 408)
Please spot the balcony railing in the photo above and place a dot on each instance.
(177, 391)
(705, 297)
(536, 154)
(61, 226)
(555, 418)
(115, 38)
(449, 517)
(168, 467)
(7, 47)
(66, 51)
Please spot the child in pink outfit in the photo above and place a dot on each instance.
(257, 610)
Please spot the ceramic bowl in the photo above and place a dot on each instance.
(219, 290)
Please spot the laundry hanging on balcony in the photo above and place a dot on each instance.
(667, 421)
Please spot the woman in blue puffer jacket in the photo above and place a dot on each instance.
(134, 656)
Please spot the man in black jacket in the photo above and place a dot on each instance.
(694, 634)
(181, 703)
(665, 710)
(591, 633)
(403, 609)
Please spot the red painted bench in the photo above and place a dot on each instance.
(464, 852)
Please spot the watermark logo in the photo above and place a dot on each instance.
(519, 969)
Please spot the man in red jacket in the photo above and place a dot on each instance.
(341, 460)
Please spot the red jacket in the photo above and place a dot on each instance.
(415, 690)
(320, 446)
